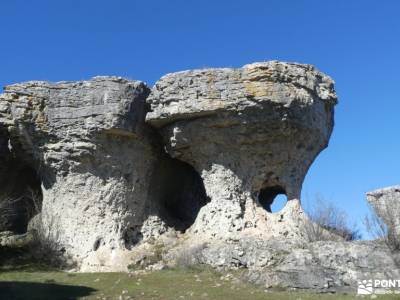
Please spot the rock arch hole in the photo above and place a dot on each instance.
(178, 193)
(272, 198)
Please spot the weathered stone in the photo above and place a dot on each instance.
(176, 196)
(332, 266)
(235, 138)
(326, 266)
(386, 203)
(11, 240)
(251, 133)
(95, 157)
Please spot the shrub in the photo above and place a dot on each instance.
(7, 209)
(43, 247)
(46, 247)
(190, 256)
(19, 208)
(328, 222)
(383, 227)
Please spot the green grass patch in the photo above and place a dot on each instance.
(161, 285)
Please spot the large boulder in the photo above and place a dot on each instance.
(251, 133)
(88, 141)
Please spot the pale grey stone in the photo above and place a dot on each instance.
(386, 204)
(385, 221)
(251, 133)
(325, 266)
(95, 156)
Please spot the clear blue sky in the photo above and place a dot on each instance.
(357, 43)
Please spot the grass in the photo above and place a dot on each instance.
(161, 285)
(22, 277)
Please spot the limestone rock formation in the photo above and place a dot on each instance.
(88, 142)
(251, 133)
(323, 266)
(386, 204)
(118, 174)
(200, 157)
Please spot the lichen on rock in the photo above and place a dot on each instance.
(251, 133)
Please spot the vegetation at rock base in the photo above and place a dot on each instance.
(328, 222)
(160, 285)
(383, 227)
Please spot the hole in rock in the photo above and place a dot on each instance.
(179, 193)
(97, 244)
(20, 195)
(272, 198)
(131, 237)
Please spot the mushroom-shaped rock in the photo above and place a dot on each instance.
(88, 141)
(251, 133)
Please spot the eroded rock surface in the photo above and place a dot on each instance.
(89, 143)
(386, 204)
(251, 133)
(234, 139)
(324, 266)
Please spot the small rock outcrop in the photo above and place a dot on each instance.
(251, 133)
(386, 204)
(323, 266)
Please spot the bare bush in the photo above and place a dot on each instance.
(46, 247)
(7, 209)
(25, 205)
(43, 246)
(327, 222)
(383, 226)
(35, 198)
(190, 256)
